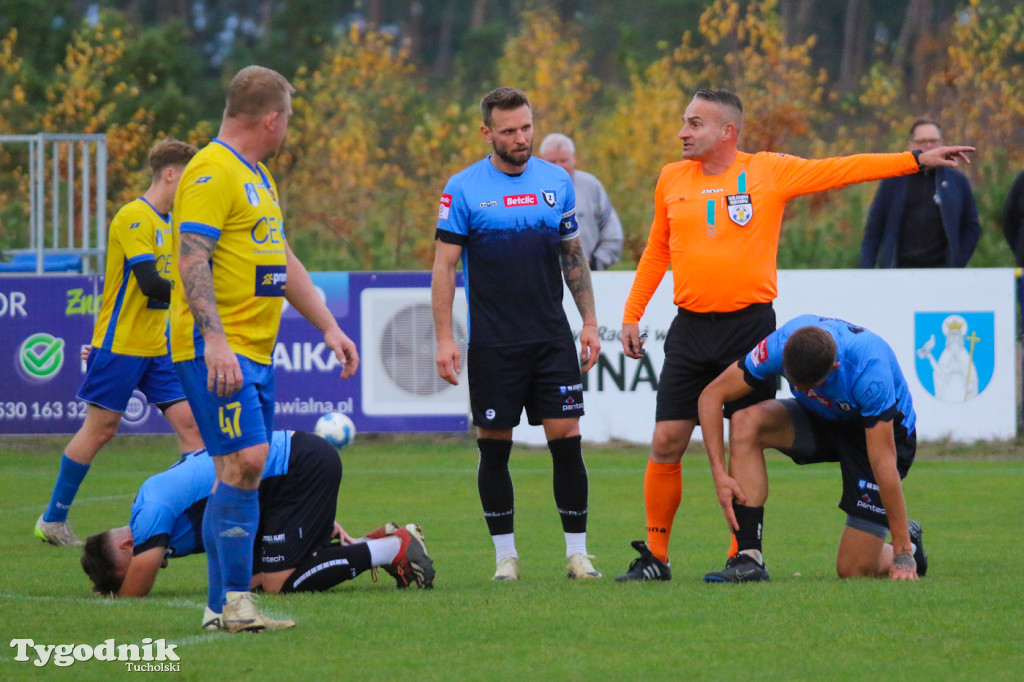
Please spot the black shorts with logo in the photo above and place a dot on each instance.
(542, 377)
(699, 347)
(827, 440)
(297, 509)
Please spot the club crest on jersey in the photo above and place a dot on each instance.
(549, 197)
(251, 194)
(740, 208)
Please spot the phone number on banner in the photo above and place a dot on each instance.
(47, 410)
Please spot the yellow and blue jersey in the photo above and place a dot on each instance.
(223, 196)
(129, 322)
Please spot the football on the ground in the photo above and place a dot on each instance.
(336, 428)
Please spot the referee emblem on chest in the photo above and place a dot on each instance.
(740, 208)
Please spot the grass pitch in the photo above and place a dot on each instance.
(962, 622)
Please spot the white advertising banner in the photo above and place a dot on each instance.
(953, 332)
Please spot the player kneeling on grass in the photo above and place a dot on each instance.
(851, 406)
(294, 551)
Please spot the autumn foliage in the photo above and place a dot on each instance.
(372, 140)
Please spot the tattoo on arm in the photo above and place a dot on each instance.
(904, 560)
(194, 263)
(577, 276)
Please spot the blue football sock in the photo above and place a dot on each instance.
(64, 490)
(215, 591)
(236, 518)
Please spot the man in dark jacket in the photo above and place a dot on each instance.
(924, 220)
(1013, 219)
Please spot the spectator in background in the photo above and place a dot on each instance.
(924, 220)
(600, 229)
(1013, 219)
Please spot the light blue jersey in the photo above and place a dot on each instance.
(510, 229)
(868, 384)
(168, 511)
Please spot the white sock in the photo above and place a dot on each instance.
(504, 546)
(384, 551)
(575, 543)
(754, 554)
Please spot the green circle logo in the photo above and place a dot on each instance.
(41, 356)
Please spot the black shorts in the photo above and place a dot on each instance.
(297, 509)
(542, 377)
(699, 347)
(825, 440)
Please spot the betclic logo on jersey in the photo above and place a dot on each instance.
(445, 207)
(271, 280)
(520, 200)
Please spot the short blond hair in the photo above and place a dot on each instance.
(257, 90)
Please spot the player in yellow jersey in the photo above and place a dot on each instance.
(234, 271)
(717, 217)
(129, 343)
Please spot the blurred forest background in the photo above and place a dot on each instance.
(386, 107)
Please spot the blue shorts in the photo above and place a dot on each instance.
(110, 379)
(240, 420)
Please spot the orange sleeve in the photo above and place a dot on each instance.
(797, 176)
(654, 261)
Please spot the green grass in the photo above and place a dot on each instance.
(962, 622)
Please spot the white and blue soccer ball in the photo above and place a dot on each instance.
(336, 428)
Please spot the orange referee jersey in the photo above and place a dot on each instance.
(720, 232)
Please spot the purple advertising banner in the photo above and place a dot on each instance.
(45, 321)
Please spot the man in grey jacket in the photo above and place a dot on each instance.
(600, 229)
(924, 220)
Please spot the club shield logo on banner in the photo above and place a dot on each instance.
(955, 353)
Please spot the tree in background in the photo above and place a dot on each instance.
(385, 113)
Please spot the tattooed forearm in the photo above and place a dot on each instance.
(576, 272)
(904, 561)
(193, 263)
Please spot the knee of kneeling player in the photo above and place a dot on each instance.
(855, 567)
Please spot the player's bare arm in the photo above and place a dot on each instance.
(302, 295)
(576, 272)
(728, 386)
(193, 262)
(881, 446)
(224, 374)
(142, 572)
(442, 294)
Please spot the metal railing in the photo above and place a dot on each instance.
(67, 201)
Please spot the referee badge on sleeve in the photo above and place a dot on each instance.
(740, 208)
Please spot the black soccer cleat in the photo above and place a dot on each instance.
(647, 567)
(739, 569)
(919, 554)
